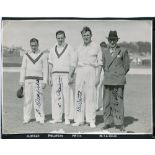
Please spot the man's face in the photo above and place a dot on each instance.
(86, 37)
(113, 42)
(60, 39)
(34, 46)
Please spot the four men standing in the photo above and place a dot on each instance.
(85, 66)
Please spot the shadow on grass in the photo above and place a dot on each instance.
(127, 120)
(48, 117)
(99, 119)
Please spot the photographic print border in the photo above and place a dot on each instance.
(89, 136)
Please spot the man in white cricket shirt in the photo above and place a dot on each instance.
(62, 93)
(88, 58)
(33, 76)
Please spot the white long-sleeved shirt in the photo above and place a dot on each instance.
(34, 65)
(60, 57)
(90, 55)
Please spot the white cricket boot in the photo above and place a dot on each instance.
(67, 122)
(92, 125)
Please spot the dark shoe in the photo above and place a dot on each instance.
(120, 127)
(77, 123)
(106, 126)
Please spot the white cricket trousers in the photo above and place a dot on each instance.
(85, 94)
(33, 100)
(62, 97)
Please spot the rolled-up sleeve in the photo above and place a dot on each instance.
(23, 69)
(99, 58)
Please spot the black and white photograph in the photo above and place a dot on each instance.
(77, 77)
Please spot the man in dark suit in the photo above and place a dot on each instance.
(116, 65)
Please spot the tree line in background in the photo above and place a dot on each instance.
(139, 48)
(135, 48)
(140, 53)
(12, 51)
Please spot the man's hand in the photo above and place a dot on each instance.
(21, 84)
(97, 81)
(43, 85)
(50, 82)
(70, 80)
(71, 75)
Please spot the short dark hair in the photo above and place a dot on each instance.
(60, 32)
(34, 40)
(85, 29)
(103, 44)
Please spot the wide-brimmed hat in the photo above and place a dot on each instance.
(113, 35)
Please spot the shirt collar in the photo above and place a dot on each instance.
(113, 48)
(38, 51)
(87, 44)
(63, 45)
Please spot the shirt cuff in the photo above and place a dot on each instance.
(44, 81)
(50, 62)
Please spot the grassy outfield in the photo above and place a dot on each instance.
(137, 109)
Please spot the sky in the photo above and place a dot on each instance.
(19, 32)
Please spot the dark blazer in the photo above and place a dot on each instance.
(115, 66)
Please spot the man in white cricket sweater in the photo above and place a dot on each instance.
(33, 76)
(62, 93)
